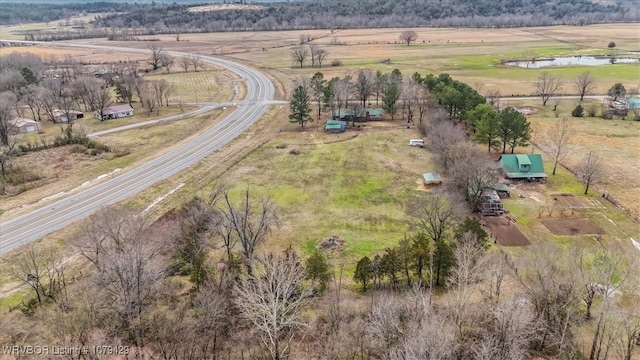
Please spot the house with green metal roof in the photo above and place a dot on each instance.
(335, 126)
(523, 167)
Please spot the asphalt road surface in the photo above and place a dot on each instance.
(38, 223)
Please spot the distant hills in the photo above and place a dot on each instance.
(160, 17)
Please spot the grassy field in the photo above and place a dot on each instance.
(352, 185)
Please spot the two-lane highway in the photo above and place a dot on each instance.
(38, 223)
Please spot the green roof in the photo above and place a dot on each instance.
(335, 122)
(375, 111)
(523, 160)
(431, 178)
(512, 166)
(333, 126)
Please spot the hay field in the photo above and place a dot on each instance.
(353, 185)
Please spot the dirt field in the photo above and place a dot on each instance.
(504, 232)
(571, 226)
(569, 200)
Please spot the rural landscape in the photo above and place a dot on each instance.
(329, 180)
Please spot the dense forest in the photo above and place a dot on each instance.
(334, 14)
(375, 13)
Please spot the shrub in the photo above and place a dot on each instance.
(611, 45)
(336, 63)
(77, 149)
(17, 175)
(578, 111)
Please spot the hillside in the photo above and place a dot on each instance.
(329, 14)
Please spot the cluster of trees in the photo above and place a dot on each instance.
(368, 14)
(205, 289)
(55, 91)
(426, 257)
(317, 55)
(355, 91)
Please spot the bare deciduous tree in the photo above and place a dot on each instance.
(42, 270)
(507, 333)
(162, 89)
(195, 62)
(245, 223)
(364, 85)
(557, 139)
(408, 36)
(547, 85)
(147, 95)
(318, 54)
(467, 271)
(493, 98)
(299, 54)
(157, 53)
(272, 300)
(7, 114)
(166, 61)
(584, 83)
(184, 62)
(590, 170)
(127, 261)
(551, 282)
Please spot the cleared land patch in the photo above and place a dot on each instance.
(569, 200)
(571, 226)
(504, 232)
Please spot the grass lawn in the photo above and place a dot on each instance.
(355, 189)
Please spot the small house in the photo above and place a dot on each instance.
(61, 116)
(23, 126)
(633, 104)
(431, 179)
(115, 111)
(374, 113)
(335, 126)
(359, 114)
(523, 167)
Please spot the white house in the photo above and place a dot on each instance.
(115, 111)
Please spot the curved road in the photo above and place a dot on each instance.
(38, 223)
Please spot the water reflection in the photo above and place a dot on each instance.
(572, 61)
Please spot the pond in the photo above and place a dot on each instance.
(571, 61)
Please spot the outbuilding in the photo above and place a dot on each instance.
(335, 126)
(61, 116)
(23, 126)
(431, 179)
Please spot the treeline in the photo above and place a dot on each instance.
(17, 13)
(370, 14)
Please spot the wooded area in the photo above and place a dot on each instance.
(167, 18)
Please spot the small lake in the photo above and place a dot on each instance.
(571, 61)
